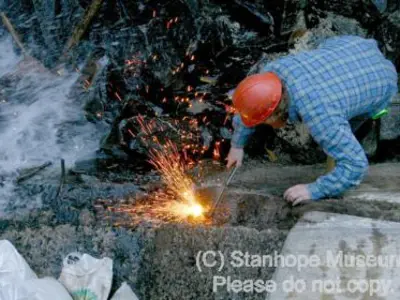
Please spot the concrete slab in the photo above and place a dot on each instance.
(256, 194)
(333, 256)
(381, 184)
(196, 262)
(269, 178)
(375, 195)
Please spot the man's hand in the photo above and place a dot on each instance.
(235, 155)
(297, 194)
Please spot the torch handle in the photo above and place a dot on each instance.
(231, 175)
(226, 183)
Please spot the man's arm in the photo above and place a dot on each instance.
(334, 135)
(241, 133)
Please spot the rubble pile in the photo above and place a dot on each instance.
(174, 62)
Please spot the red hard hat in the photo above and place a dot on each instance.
(256, 97)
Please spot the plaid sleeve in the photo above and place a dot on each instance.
(241, 133)
(336, 138)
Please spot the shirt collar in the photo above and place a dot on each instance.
(293, 116)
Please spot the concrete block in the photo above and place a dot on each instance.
(343, 257)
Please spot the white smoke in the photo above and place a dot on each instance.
(39, 122)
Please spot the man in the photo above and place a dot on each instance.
(343, 78)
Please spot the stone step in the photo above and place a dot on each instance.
(255, 195)
(381, 184)
(334, 256)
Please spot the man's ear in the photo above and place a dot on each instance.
(280, 123)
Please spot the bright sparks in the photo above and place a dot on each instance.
(184, 209)
(181, 203)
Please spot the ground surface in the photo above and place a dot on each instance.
(162, 262)
(337, 244)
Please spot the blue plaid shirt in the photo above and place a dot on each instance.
(344, 77)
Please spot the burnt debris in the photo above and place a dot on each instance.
(173, 62)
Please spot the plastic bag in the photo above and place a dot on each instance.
(46, 289)
(19, 282)
(34, 289)
(13, 266)
(124, 293)
(86, 277)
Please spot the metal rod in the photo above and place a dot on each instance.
(226, 183)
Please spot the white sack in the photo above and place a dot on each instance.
(124, 293)
(86, 277)
(13, 266)
(34, 289)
